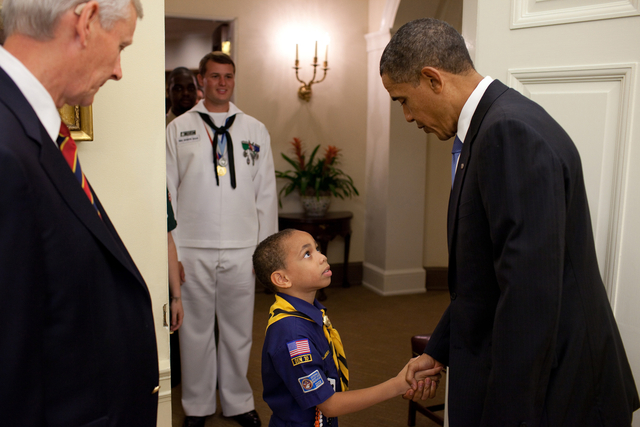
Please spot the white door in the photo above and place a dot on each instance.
(579, 60)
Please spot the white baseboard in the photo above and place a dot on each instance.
(393, 282)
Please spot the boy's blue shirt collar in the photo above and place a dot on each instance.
(313, 311)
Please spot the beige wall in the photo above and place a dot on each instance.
(266, 87)
(376, 7)
(125, 164)
(438, 155)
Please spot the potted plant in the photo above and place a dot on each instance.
(315, 179)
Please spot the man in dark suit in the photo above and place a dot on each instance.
(529, 336)
(78, 343)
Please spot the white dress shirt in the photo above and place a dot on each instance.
(470, 106)
(40, 100)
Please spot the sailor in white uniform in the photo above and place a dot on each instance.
(221, 178)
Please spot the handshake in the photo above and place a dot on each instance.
(422, 374)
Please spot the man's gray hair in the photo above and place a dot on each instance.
(38, 18)
(423, 43)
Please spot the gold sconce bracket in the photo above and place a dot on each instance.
(304, 92)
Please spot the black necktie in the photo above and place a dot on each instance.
(222, 131)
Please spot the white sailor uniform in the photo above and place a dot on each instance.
(219, 229)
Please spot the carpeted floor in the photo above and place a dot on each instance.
(376, 333)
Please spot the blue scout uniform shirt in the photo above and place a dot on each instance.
(298, 371)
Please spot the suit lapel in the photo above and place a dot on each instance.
(60, 175)
(15, 101)
(493, 92)
(67, 185)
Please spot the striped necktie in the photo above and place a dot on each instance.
(335, 343)
(457, 148)
(69, 151)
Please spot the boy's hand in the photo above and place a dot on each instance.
(423, 375)
(400, 379)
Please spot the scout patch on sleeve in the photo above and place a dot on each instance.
(301, 359)
(298, 347)
(188, 136)
(311, 382)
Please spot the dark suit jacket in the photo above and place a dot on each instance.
(77, 345)
(529, 335)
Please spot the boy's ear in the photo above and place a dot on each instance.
(280, 279)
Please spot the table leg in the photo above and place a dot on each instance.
(345, 278)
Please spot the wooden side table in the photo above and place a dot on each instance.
(323, 229)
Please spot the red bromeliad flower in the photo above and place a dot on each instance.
(297, 148)
(315, 176)
(330, 155)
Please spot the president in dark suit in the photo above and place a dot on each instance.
(77, 345)
(529, 336)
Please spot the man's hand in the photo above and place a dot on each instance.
(177, 313)
(423, 375)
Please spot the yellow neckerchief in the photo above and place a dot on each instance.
(282, 308)
(337, 350)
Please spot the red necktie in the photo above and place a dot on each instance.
(69, 151)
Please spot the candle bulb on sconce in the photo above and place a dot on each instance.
(304, 92)
(326, 56)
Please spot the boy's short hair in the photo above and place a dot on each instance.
(270, 256)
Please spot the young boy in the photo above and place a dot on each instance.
(304, 370)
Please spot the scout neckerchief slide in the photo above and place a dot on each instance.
(218, 152)
(282, 308)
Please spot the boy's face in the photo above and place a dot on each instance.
(306, 268)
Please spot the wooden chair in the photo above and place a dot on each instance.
(418, 343)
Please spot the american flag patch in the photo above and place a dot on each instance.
(296, 348)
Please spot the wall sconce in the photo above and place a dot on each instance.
(304, 92)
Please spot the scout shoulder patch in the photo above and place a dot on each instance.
(188, 136)
(299, 351)
(298, 347)
(311, 382)
(301, 359)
